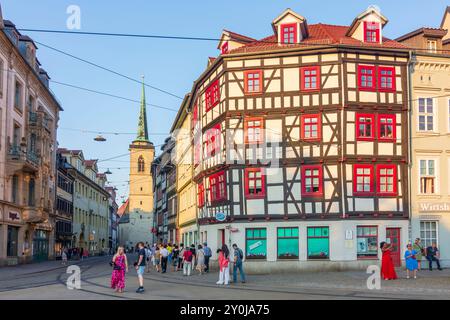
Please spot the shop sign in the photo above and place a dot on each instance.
(220, 216)
(255, 245)
(14, 216)
(434, 207)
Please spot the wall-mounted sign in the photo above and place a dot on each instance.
(255, 245)
(220, 216)
(434, 207)
(348, 235)
(14, 216)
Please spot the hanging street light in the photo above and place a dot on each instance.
(99, 138)
(108, 172)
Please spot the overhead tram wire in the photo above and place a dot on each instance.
(168, 37)
(107, 69)
(110, 95)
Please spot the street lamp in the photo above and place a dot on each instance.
(100, 138)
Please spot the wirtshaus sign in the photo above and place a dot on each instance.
(434, 207)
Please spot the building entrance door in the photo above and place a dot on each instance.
(40, 246)
(221, 238)
(13, 237)
(393, 236)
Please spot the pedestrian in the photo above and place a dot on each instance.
(81, 253)
(169, 250)
(164, 258)
(187, 262)
(148, 257)
(411, 261)
(180, 257)
(140, 267)
(85, 253)
(224, 271)
(433, 255)
(157, 259)
(175, 256)
(200, 258)
(238, 261)
(64, 257)
(420, 252)
(387, 266)
(120, 266)
(208, 254)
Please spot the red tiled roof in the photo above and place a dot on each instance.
(122, 208)
(64, 150)
(319, 34)
(90, 163)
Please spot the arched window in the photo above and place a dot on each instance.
(141, 164)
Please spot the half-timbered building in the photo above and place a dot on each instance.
(300, 146)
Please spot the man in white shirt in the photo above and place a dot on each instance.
(164, 256)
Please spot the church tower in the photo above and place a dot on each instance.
(142, 153)
(137, 219)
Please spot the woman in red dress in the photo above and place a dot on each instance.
(387, 266)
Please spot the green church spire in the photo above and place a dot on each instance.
(142, 133)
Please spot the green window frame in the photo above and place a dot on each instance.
(256, 243)
(287, 243)
(367, 242)
(318, 243)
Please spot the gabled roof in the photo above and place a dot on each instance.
(90, 163)
(123, 208)
(447, 11)
(285, 13)
(429, 32)
(357, 20)
(319, 34)
(233, 36)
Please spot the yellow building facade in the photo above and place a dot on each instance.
(429, 133)
(187, 229)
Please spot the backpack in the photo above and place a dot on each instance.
(241, 254)
(189, 256)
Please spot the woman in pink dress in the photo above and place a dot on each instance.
(120, 266)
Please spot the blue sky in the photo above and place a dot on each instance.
(172, 65)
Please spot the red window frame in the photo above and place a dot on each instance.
(195, 116)
(249, 81)
(383, 78)
(251, 180)
(381, 167)
(197, 152)
(380, 126)
(371, 32)
(249, 124)
(224, 48)
(217, 186)
(306, 175)
(212, 95)
(213, 140)
(305, 124)
(362, 68)
(359, 122)
(284, 28)
(306, 77)
(201, 195)
(357, 175)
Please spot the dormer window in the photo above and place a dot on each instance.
(371, 32)
(288, 33)
(225, 47)
(432, 46)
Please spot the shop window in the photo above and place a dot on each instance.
(287, 243)
(256, 243)
(318, 243)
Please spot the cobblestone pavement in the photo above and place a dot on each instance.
(48, 281)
